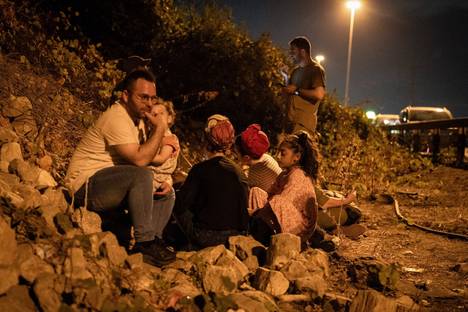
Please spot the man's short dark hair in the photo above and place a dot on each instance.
(130, 79)
(301, 43)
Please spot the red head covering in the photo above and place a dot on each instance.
(219, 132)
(254, 141)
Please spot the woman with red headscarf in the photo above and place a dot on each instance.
(212, 203)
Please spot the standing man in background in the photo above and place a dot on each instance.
(306, 86)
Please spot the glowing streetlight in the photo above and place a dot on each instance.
(353, 6)
(370, 115)
(320, 58)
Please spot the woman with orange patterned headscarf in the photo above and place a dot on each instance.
(212, 203)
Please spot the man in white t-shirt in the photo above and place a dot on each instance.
(108, 167)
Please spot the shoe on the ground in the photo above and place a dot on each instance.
(353, 231)
(154, 253)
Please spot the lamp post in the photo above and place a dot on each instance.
(353, 6)
(320, 58)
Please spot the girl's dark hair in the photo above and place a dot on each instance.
(302, 143)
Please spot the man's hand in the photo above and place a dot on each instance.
(164, 189)
(289, 89)
(157, 121)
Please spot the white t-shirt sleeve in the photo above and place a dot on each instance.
(119, 130)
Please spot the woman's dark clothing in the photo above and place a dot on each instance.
(215, 195)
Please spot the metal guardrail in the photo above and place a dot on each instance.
(411, 133)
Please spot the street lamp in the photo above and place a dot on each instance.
(353, 6)
(320, 58)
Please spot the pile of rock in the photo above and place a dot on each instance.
(53, 257)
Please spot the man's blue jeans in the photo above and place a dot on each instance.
(129, 187)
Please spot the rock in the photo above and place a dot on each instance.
(406, 304)
(271, 282)
(17, 299)
(75, 266)
(105, 244)
(250, 300)
(90, 295)
(382, 275)
(9, 278)
(63, 223)
(48, 290)
(53, 202)
(8, 180)
(45, 179)
(90, 222)
(11, 151)
(251, 252)
(294, 269)
(134, 261)
(45, 163)
(12, 198)
(17, 107)
(378, 274)
(219, 256)
(30, 266)
(7, 136)
(8, 245)
(334, 302)
(315, 285)
(25, 126)
(31, 197)
(219, 279)
(139, 280)
(372, 301)
(283, 247)
(4, 166)
(26, 171)
(316, 259)
(56, 198)
(181, 265)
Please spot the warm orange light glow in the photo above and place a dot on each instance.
(353, 5)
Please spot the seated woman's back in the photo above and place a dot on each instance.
(220, 202)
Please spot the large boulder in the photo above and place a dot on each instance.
(315, 285)
(219, 269)
(283, 248)
(8, 245)
(48, 290)
(372, 301)
(17, 299)
(31, 266)
(105, 244)
(45, 179)
(31, 196)
(11, 151)
(9, 278)
(7, 136)
(16, 107)
(251, 252)
(75, 266)
(25, 126)
(271, 282)
(90, 222)
(250, 300)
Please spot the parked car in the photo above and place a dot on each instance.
(424, 113)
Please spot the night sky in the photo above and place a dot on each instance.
(404, 51)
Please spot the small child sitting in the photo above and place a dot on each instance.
(165, 161)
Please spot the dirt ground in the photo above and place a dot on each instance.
(433, 268)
